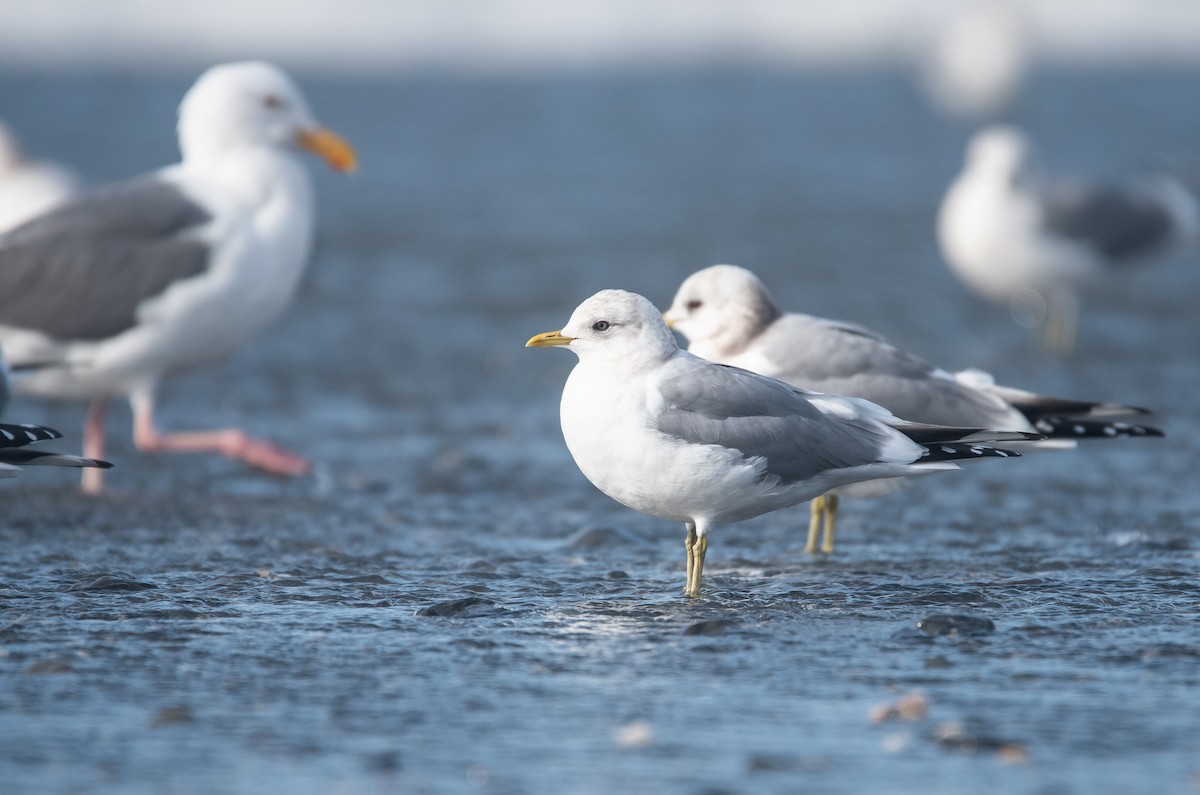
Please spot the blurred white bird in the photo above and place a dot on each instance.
(976, 62)
(132, 283)
(1020, 239)
(28, 187)
(728, 316)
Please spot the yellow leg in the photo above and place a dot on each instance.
(814, 524)
(831, 509)
(1062, 323)
(689, 544)
(698, 550)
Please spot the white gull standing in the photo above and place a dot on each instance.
(28, 187)
(728, 316)
(681, 438)
(132, 283)
(1020, 239)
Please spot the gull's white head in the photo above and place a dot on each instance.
(253, 104)
(1003, 151)
(723, 306)
(614, 325)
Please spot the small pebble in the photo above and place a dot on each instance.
(171, 716)
(635, 734)
(912, 706)
(467, 607)
(715, 626)
(113, 582)
(950, 624)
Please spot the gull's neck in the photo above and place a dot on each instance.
(738, 331)
(259, 176)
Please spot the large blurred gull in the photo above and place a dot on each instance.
(1018, 238)
(678, 437)
(728, 316)
(15, 439)
(145, 278)
(28, 186)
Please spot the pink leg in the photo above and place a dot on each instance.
(230, 442)
(93, 445)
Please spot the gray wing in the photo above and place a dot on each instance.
(844, 359)
(79, 272)
(1120, 222)
(708, 403)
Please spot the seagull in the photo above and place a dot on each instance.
(131, 283)
(727, 315)
(15, 439)
(1018, 238)
(28, 187)
(682, 438)
(974, 65)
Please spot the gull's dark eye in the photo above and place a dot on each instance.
(273, 102)
(600, 325)
(694, 304)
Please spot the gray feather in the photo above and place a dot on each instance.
(761, 417)
(828, 356)
(81, 271)
(1121, 223)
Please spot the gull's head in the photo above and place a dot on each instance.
(1001, 150)
(613, 325)
(723, 305)
(254, 104)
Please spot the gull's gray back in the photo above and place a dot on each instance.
(1120, 222)
(714, 404)
(845, 359)
(80, 272)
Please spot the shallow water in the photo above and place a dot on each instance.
(448, 606)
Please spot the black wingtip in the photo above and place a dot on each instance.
(1083, 428)
(960, 451)
(21, 434)
(924, 434)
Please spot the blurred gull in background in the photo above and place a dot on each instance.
(131, 283)
(1019, 238)
(681, 438)
(728, 316)
(976, 63)
(28, 187)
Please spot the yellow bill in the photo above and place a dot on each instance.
(330, 147)
(548, 339)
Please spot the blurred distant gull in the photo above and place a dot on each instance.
(1018, 238)
(728, 316)
(678, 437)
(15, 439)
(27, 186)
(977, 61)
(174, 269)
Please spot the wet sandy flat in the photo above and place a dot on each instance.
(447, 605)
